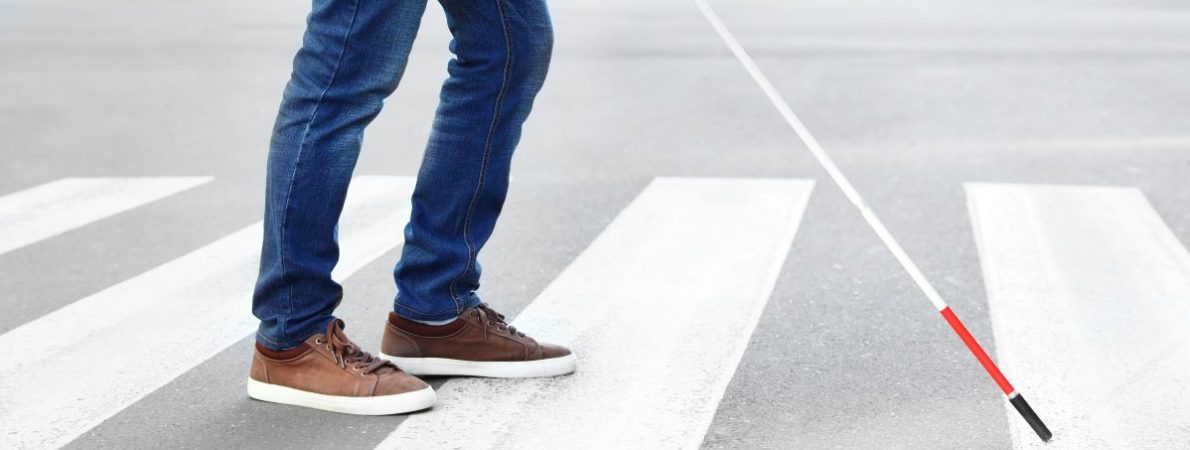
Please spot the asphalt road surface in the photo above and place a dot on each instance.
(664, 220)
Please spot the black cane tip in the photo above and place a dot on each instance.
(1018, 401)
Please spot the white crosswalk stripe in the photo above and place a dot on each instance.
(1089, 294)
(50, 209)
(69, 370)
(658, 309)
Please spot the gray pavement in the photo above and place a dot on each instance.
(913, 98)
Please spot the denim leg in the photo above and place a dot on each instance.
(502, 51)
(352, 57)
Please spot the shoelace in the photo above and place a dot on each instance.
(491, 318)
(347, 354)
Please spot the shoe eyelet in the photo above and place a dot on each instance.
(318, 341)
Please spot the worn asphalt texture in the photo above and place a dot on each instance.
(913, 98)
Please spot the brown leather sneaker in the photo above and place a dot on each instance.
(329, 372)
(479, 343)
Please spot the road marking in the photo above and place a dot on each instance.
(1089, 294)
(659, 310)
(56, 207)
(66, 372)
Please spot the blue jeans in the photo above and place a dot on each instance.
(352, 57)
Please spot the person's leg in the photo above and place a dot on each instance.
(502, 51)
(353, 55)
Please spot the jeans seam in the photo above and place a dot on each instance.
(486, 159)
(297, 162)
(262, 337)
(430, 313)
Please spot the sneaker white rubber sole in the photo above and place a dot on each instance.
(561, 365)
(365, 406)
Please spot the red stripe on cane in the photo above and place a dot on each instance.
(982, 356)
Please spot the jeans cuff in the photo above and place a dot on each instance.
(300, 336)
(404, 310)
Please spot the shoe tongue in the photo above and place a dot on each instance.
(491, 313)
(335, 331)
